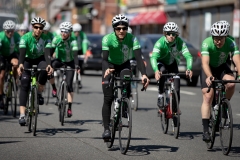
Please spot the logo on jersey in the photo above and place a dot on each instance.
(204, 45)
(105, 40)
(233, 44)
(125, 51)
(22, 42)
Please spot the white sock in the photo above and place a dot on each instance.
(160, 95)
(22, 115)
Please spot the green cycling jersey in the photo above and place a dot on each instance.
(34, 47)
(64, 48)
(119, 52)
(9, 45)
(218, 56)
(82, 41)
(168, 52)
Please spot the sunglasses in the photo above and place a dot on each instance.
(65, 32)
(119, 28)
(171, 33)
(9, 31)
(219, 38)
(36, 27)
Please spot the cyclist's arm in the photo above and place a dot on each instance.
(105, 58)
(75, 53)
(47, 55)
(84, 44)
(140, 64)
(22, 54)
(205, 65)
(187, 55)
(153, 60)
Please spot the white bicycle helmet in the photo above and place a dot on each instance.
(120, 20)
(129, 30)
(47, 26)
(77, 27)
(22, 27)
(9, 24)
(170, 27)
(38, 20)
(66, 26)
(219, 29)
(226, 22)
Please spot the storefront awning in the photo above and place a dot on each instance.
(153, 17)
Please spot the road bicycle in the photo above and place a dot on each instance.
(121, 118)
(10, 91)
(221, 118)
(62, 94)
(32, 106)
(134, 86)
(171, 109)
(47, 92)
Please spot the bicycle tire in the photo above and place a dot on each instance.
(134, 96)
(34, 103)
(164, 121)
(212, 124)
(125, 123)
(6, 97)
(48, 86)
(112, 127)
(28, 113)
(226, 126)
(175, 113)
(14, 96)
(63, 103)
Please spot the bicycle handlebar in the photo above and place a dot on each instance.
(222, 82)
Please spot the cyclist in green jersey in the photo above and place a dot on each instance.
(22, 29)
(166, 57)
(82, 44)
(66, 51)
(46, 30)
(9, 40)
(117, 48)
(215, 51)
(34, 49)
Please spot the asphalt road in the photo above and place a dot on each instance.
(80, 137)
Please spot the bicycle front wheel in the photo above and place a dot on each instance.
(212, 124)
(35, 107)
(226, 126)
(125, 125)
(47, 89)
(112, 126)
(7, 97)
(175, 113)
(14, 97)
(63, 102)
(28, 113)
(164, 121)
(134, 96)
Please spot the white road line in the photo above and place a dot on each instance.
(238, 114)
(181, 91)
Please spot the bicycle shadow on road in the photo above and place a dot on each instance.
(144, 109)
(141, 150)
(236, 126)
(189, 135)
(5, 142)
(234, 152)
(82, 122)
(54, 131)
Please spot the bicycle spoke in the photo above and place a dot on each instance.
(112, 128)
(125, 126)
(212, 124)
(175, 114)
(226, 126)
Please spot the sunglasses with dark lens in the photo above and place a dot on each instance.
(119, 28)
(36, 27)
(9, 31)
(171, 33)
(65, 32)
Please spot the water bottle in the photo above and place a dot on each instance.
(215, 108)
(116, 107)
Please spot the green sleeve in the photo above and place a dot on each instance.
(84, 43)
(155, 56)
(105, 43)
(186, 54)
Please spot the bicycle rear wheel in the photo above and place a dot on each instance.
(112, 127)
(63, 102)
(7, 97)
(212, 123)
(226, 126)
(175, 113)
(134, 96)
(125, 125)
(35, 106)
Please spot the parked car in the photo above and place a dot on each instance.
(147, 42)
(94, 60)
